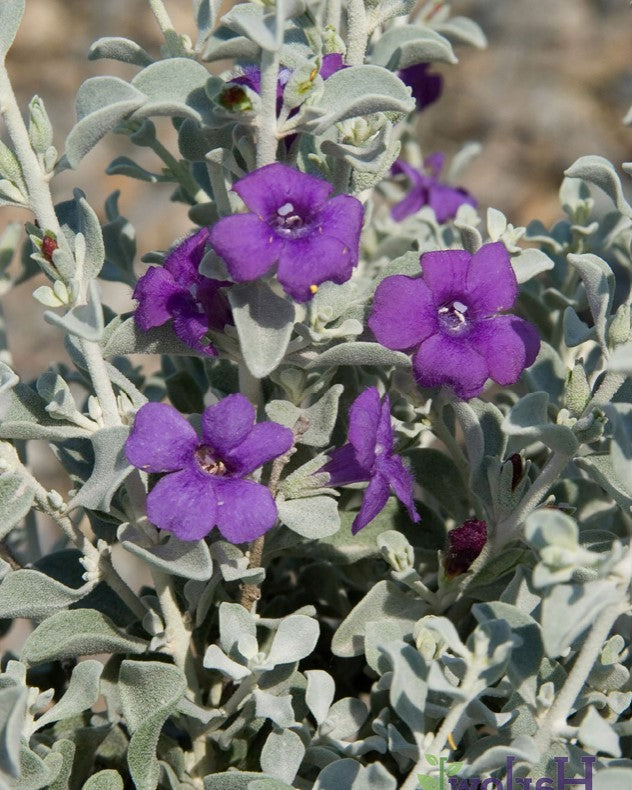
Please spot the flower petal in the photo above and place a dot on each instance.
(384, 436)
(189, 324)
(214, 302)
(416, 177)
(267, 189)
(426, 87)
(226, 424)
(266, 440)
(403, 312)
(444, 272)
(364, 422)
(445, 200)
(491, 284)
(312, 260)
(161, 439)
(184, 503)
(453, 362)
(247, 244)
(245, 509)
(508, 344)
(375, 497)
(414, 200)
(341, 218)
(401, 481)
(343, 467)
(184, 259)
(153, 292)
(330, 64)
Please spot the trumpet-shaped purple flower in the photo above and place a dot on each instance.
(177, 292)
(426, 86)
(292, 222)
(205, 484)
(369, 456)
(464, 545)
(451, 316)
(427, 190)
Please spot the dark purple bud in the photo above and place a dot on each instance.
(464, 545)
(518, 469)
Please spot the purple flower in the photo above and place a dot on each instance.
(369, 456)
(450, 314)
(294, 223)
(177, 292)
(427, 190)
(464, 545)
(204, 486)
(426, 87)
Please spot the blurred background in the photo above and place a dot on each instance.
(553, 85)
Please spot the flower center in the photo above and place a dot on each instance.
(207, 461)
(288, 222)
(453, 316)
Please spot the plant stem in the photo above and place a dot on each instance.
(333, 14)
(267, 137)
(101, 382)
(357, 32)
(181, 172)
(172, 39)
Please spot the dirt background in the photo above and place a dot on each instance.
(553, 85)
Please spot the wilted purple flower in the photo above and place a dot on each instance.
(464, 545)
(205, 485)
(176, 291)
(426, 87)
(292, 221)
(450, 313)
(427, 190)
(369, 456)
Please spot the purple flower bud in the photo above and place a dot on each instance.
(426, 87)
(464, 545)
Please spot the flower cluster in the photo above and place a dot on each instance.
(177, 292)
(293, 222)
(368, 456)
(427, 190)
(464, 545)
(204, 483)
(450, 315)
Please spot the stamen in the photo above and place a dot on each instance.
(286, 208)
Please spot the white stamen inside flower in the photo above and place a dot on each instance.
(286, 208)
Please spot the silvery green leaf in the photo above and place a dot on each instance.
(320, 692)
(66, 749)
(463, 30)
(185, 558)
(294, 639)
(85, 320)
(439, 474)
(269, 784)
(264, 322)
(401, 47)
(522, 748)
(205, 12)
(119, 239)
(409, 686)
(16, 499)
(52, 388)
(173, 87)
(528, 419)
(237, 780)
(359, 90)
(117, 48)
(407, 264)
(214, 658)
(529, 263)
(26, 418)
(252, 22)
(377, 634)
(12, 710)
(314, 517)
(234, 622)
(108, 779)
(29, 593)
(384, 601)
(548, 372)
(598, 279)
(620, 415)
(352, 775)
(360, 353)
(102, 102)
(569, 609)
(321, 416)
(600, 172)
(149, 692)
(225, 44)
(345, 719)
(233, 564)
(111, 467)
(278, 709)
(524, 662)
(11, 12)
(126, 338)
(597, 735)
(78, 632)
(124, 166)
(81, 694)
(282, 755)
(575, 330)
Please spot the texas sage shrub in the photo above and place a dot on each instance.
(379, 470)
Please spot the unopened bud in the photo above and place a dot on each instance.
(55, 499)
(465, 543)
(577, 390)
(40, 127)
(49, 245)
(620, 327)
